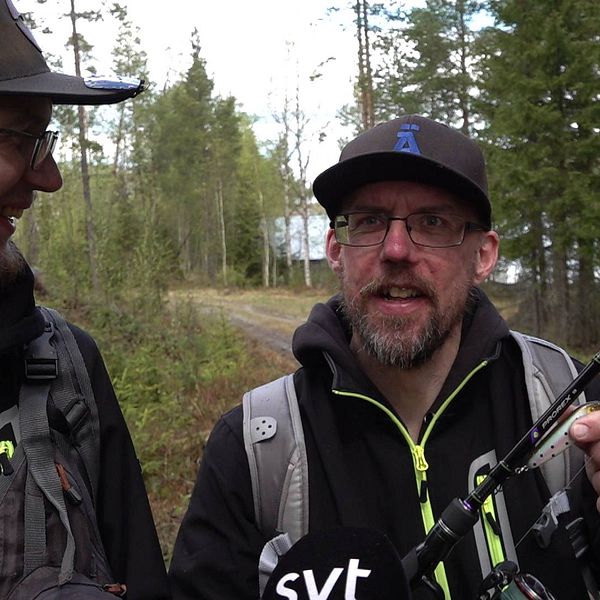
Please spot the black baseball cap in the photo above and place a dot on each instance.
(412, 148)
(23, 70)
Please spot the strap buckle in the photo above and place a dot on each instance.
(41, 360)
(547, 523)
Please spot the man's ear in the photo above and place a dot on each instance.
(487, 256)
(333, 251)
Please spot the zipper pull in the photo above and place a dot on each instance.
(71, 493)
(420, 462)
(7, 449)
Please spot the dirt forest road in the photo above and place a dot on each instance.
(268, 317)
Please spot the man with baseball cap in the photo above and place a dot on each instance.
(123, 520)
(411, 389)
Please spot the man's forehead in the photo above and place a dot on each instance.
(384, 192)
(25, 108)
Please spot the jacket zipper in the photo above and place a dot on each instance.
(419, 461)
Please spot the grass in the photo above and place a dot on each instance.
(174, 377)
(171, 461)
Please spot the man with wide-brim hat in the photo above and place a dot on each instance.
(23, 70)
(120, 525)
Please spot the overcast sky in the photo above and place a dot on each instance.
(253, 51)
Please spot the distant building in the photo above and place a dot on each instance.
(317, 228)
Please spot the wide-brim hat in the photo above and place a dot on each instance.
(412, 148)
(23, 70)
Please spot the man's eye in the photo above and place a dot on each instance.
(433, 221)
(367, 220)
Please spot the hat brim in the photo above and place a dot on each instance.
(64, 89)
(333, 186)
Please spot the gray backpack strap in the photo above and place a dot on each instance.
(548, 370)
(42, 477)
(272, 551)
(73, 395)
(274, 442)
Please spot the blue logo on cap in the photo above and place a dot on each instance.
(406, 139)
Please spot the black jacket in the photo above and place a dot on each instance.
(124, 516)
(361, 468)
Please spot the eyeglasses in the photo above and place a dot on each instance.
(44, 144)
(424, 229)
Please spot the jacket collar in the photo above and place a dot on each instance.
(482, 331)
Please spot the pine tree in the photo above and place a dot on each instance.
(179, 137)
(541, 96)
(428, 58)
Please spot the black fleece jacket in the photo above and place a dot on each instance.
(361, 468)
(124, 515)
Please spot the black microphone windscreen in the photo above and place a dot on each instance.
(339, 564)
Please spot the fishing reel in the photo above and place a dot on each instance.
(505, 582)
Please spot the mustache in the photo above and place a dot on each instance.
(379, 286)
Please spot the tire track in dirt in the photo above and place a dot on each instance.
(258, 323)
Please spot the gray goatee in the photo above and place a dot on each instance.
(385, 337)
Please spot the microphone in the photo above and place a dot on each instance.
(345, 563)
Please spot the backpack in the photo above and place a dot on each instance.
(279, 469)
(50, 545)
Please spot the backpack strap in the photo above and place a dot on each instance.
(274, 442)
(548, 371)
(42, 478)
(73, 395)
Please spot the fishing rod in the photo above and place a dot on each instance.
(460, 516)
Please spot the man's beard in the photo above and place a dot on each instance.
(11, 264)
(391, 340)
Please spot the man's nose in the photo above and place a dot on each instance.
(397, 244)
(46, 178)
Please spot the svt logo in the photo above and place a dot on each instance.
(406, 139)
(352, 576)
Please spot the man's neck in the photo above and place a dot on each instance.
(413, 391)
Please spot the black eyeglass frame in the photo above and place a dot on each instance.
(46, 140)
(467, 226)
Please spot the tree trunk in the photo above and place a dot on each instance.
(287, 216)
(560, 310)
(264, 229)
(119, 139)
(585, 333)
(300, 124)
(274, 269)
(540, 285)
(183, 240)
(85, 173)
(464, 100)
(365, 74)
(306, 241)
(221, 219)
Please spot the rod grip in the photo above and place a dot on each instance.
(456, 520)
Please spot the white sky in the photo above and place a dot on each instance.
(246, 46)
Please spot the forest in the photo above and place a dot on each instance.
(199, 197)
(184, 193)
